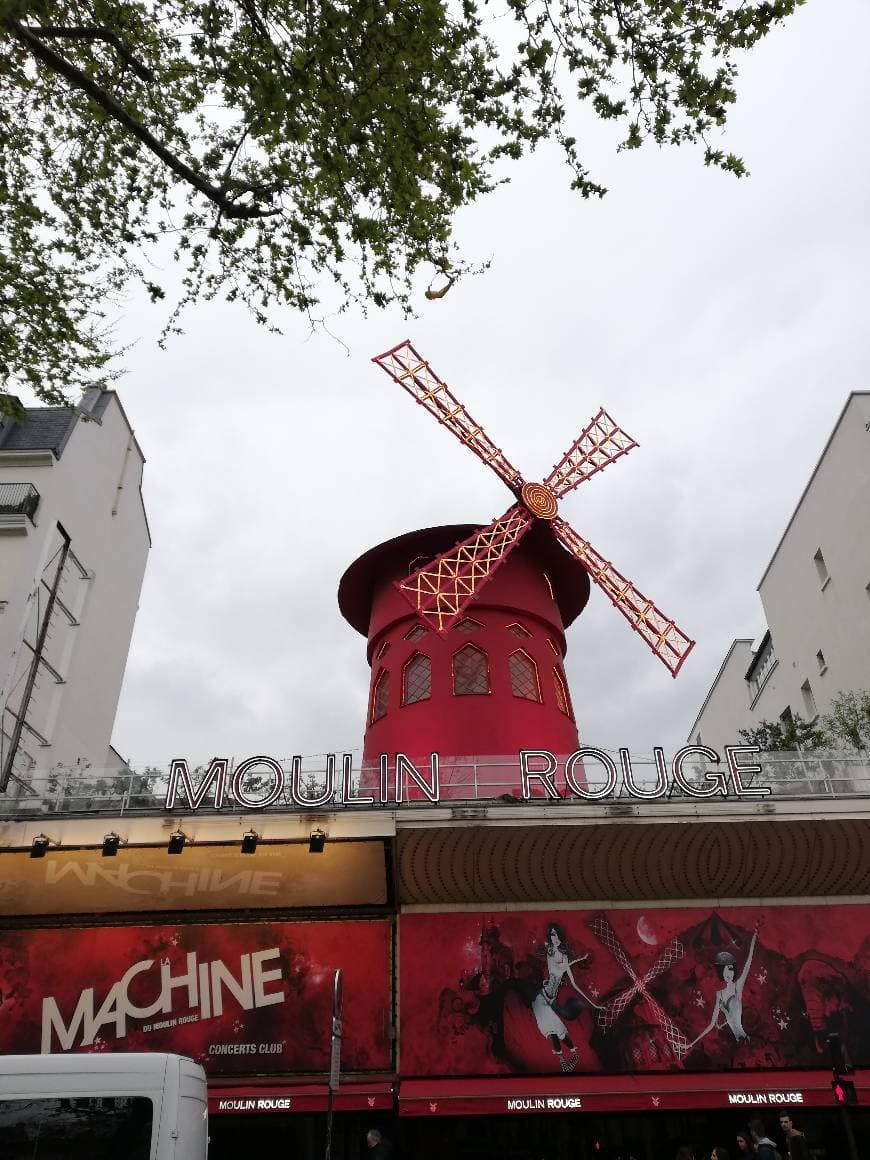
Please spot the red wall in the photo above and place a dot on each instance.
(286, 1028)
(469, 983)
(495, 723)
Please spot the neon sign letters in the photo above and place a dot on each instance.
(260, 782)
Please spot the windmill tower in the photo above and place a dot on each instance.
(466, 625)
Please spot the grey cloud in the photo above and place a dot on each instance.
(721, 322)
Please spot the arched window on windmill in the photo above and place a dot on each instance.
(561, 690)
(467, 625)
(416, 679)
(524, 676)
(470, 671)
(380, 695)
(518, 630)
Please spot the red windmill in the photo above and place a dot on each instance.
(441, 590)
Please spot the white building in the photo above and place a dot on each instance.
(73, 546)
(816, 598)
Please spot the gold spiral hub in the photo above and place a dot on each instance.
(539, 500)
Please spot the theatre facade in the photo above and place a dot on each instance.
(528, 973)
(579, 978)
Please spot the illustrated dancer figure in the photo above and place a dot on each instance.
(728, 1008)
(547, 1010)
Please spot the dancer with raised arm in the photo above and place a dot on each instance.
(728, 1007)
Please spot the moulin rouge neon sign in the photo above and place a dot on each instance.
(260, 782)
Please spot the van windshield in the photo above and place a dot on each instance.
(92, 1127)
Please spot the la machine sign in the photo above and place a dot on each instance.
(589, 774)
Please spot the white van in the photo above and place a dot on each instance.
(102, 1107)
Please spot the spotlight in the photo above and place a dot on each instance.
(176, 842)
(316, 841)
(111, 842)
(39, 847)
(249, 842)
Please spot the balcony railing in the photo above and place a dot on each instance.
(464, 781)
(18, 499)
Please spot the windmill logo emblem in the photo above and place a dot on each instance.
(441, 590)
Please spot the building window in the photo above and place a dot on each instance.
(383, 650)
(822, 663)
(762, 667)
(516, 629)
(415, 633)
(809, 701)
(821, 567)
(786, 718)
(553, 646)
(468, 625)
(470, 671)
(380, 695)
(549, 585)
(561, 691)
(417, 679)
(524, 676)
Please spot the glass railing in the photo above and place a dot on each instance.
(489, 780)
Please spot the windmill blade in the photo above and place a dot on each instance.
(409, 370)
(598, 444)
(441, 590)
(669, 643)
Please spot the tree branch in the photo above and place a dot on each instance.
(94, 32)
(256, 20)
(226, 178)
(434, 295)
(80, 80)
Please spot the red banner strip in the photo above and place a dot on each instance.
(250, 1099)
(577, 1094)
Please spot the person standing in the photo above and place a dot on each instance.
(719, 1153)
(745, 1147)
(380, 1148)
(796, 1147)
(765, 1149)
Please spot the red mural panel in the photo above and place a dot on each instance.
(239, 999)
(633, 990)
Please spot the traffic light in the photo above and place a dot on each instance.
(844, 1091)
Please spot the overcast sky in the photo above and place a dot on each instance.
(721, 322)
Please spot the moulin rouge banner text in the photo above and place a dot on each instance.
(589, 774)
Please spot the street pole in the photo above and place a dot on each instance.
(841, 1065)
(335, 1058)
(851, 1146)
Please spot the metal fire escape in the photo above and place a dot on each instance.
(55, 604)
